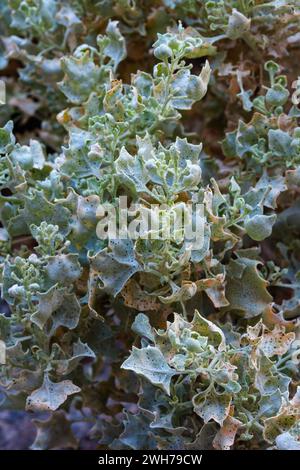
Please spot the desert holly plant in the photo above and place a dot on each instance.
(149, 208)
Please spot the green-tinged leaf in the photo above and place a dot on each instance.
(29, 157)
(280, 143)
(150, 363)
(206, 328)
(246, 289)
(65, 365)
(286, 441)
(212, 407)
(115, 267)
(137, 434)
(259, 226)
(54, 433)
(64, 269)
(56, 307)
(115, 46)
(225, 437)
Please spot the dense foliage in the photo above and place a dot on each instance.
(151, 343)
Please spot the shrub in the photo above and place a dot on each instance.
(155, 341)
